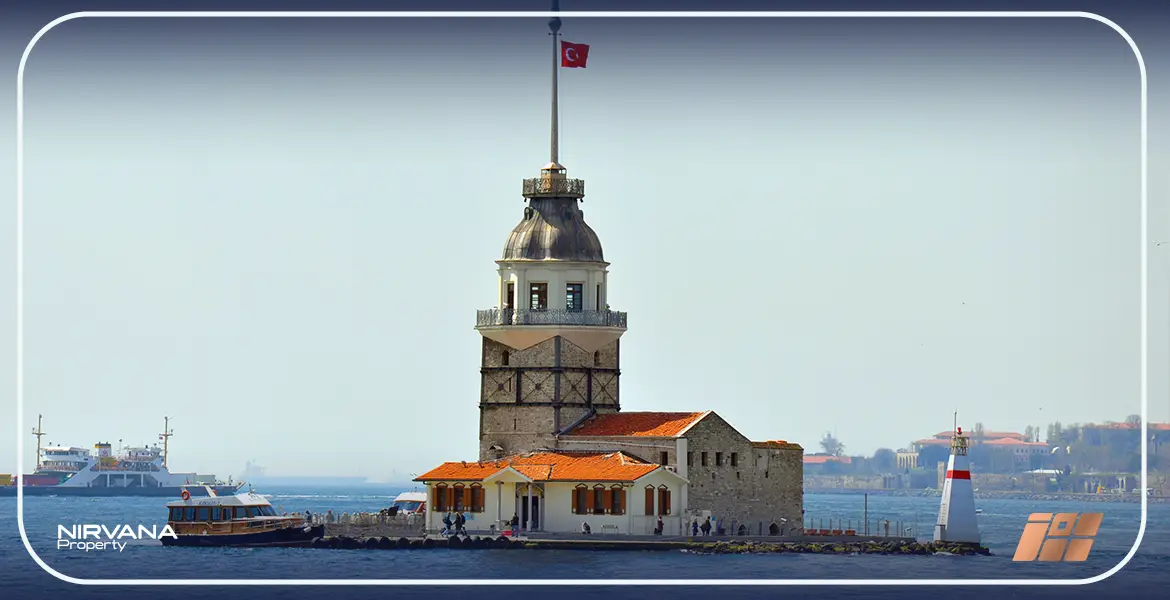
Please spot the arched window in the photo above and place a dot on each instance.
(649, 500)
(600, 500)
(663, 500)
(477, 498)
(504, 358)
(597, 358)
(461, 499)
(440, 499)
(581, 500)
(617, 500)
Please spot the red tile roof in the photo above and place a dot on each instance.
(639, 424)
(1012, 442)
(987, 435)
(550, 466)
(820, 459)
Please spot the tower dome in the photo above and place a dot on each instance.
(553, 226)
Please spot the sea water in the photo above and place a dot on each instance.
(1001, 522)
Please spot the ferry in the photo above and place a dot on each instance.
(243, 519)
(130, 471)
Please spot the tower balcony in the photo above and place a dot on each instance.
(546, 187)
(503, 317)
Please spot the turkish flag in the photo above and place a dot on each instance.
(574, 55)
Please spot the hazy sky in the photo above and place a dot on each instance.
(277, 232)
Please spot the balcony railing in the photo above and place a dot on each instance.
(554, 187)
(496, 317)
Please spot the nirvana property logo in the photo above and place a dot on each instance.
(92, 538)
(1065, 537)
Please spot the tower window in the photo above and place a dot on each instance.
(703, 458)
(539, 294)
(735, 459)
(597, 358)
(718, 459)
(663, 458)
(510, 300)
(598, 297)
(504, 358)
(574, 297)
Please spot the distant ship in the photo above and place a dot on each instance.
(142, 471)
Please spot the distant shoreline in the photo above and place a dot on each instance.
(1006, 495)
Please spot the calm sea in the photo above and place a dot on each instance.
(1001, 522)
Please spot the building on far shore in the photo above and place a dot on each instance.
(552, 434)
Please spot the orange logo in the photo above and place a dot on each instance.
(1058, 538)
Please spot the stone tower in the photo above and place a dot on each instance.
(551, 350)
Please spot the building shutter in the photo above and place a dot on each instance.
(619, 501)
(467, 498)
(589, 501)
(576, 492)
(665, 508)
(608, 501)
(450, 498)
(435, 497)
(649, 501)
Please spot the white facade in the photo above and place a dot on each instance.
(505, 495)
(557, 275)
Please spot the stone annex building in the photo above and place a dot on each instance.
(555, 448)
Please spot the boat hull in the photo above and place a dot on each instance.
(100, 492)
(286, 537)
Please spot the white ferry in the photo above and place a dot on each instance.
(130, 471)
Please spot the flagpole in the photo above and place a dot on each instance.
(554, 26)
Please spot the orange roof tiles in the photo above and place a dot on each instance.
(549, 466)
(777, 444)
(639, 424)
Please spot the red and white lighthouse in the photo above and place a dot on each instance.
(956, 516)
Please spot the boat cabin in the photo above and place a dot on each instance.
(411, 502)
(248, 512)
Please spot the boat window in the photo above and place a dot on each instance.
(189, 513)
(253, 511)
(215, 514)
(176, 513)
(241, 512)
(202, 513)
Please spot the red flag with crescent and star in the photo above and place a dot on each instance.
(574, 55)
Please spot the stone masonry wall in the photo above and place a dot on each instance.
(530, 423)
(764, 485)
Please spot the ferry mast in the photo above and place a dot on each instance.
(165, 437)
(38, 432)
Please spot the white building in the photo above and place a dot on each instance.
(556, 492)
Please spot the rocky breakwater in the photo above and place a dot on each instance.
(867, 547)
(890, 547)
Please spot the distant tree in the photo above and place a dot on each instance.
(930, 456)
(832, 446)
(1029, 433)
(884, 460)
(1133, 420)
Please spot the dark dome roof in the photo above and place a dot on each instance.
(553, 229)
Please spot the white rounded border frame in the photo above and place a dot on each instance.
(567, 14)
